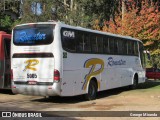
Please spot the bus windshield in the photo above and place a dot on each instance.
(36, 34)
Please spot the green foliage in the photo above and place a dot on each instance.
(73, 12)
(6, 23)
(103, 10)
(155, 59)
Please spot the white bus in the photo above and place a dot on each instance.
(55, 59)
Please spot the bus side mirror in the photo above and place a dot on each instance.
(148, 54)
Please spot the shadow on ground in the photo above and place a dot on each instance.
(102, 94)
(6, 91)
(149, 84)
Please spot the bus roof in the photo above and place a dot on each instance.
(83, 29)
(4, 33)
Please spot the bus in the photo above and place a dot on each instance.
(56, 59)
(5, 63)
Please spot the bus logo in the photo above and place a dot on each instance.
(69, 34)
(30, 64)
(92, 64)
(112, 62)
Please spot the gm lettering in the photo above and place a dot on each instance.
(69, 34)
(31, 64)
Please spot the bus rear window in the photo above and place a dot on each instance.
(37, 34)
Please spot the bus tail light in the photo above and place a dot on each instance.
(56, 75)
(11, 74)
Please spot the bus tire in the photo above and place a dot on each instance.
(135, 82)
(92, 91)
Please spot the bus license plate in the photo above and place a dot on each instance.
(32, 82)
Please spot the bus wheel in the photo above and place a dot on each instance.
(135, 83)
(92, 91)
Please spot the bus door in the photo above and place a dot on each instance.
(7, 63)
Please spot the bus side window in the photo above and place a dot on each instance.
(136, 48)
(80, 42)
(116, 46)
(111, 45)
(120, 46)
(94, 44)
(129, 47)
(68, 43)
(106, 44)
(100, 44)
(125, 47)
(132, 48)
(87, 44)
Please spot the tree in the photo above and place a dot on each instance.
(145, 25)
(9, 10)
(102, 10)
(140, 23)
(73, 12)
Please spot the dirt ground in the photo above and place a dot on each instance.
(145, 98)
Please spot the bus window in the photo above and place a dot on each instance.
(129, 47)
(135, 48)
(106, 45)
(94, 44)
(111, 45)
(116, 46)
(33, 35)
(79, 42)
(68, 42)
(120, 46)
(125, 47)
(87, 44)
(100, 44)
